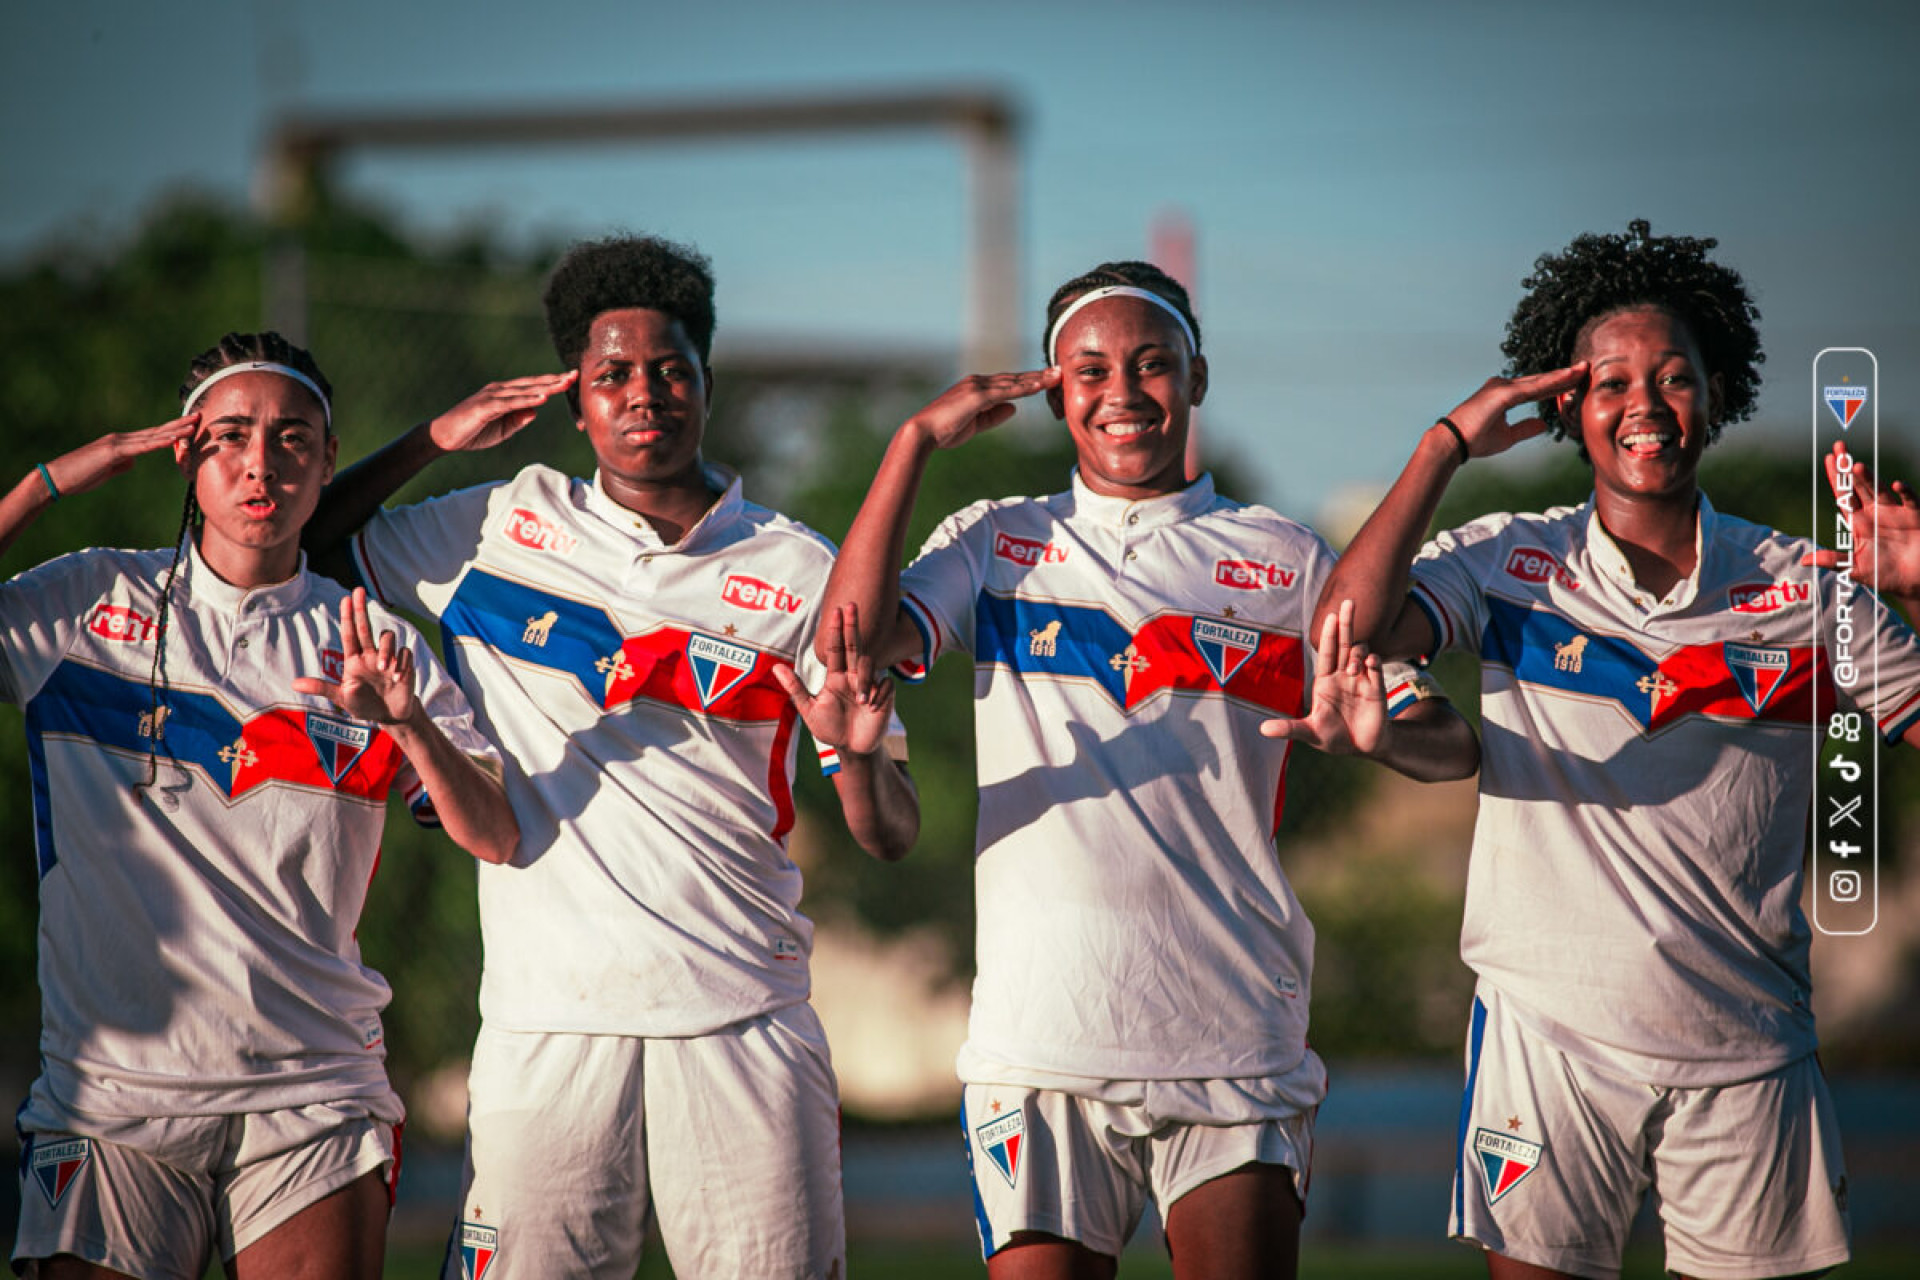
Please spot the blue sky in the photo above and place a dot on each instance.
(1368, 182)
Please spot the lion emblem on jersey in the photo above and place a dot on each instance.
(1045, 643)
(1566, 657)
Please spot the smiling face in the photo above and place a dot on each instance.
(643, 404)
(257, 463)
(1127, 387)
(1645, 411)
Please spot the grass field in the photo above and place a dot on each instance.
(1317, 1263)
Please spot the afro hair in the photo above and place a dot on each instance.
(1600, 275)
(623, 272)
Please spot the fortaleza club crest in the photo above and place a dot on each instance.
(338, 743)
(1757, 670)
(717, 666)
(1001, 1139)
(1505, 1160)
(1845, 403)
(1224, 648)
(55, 1165)
(478, 1245)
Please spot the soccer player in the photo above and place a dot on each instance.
(1642, 1020)
(214, 733)
(1140, 1012)
(646, 1040)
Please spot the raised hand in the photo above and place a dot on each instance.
(376, 677)
(851, 712)
(978, 403)
(497, 411)
(1482, 416)
(93, 464)
(1349, 712)
(1884, 520)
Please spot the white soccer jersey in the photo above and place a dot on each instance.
(650, 751)
(197, 952)
(1133, 919)
(1644, 785)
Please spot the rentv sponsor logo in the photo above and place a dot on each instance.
(1251, 575)
(530, 530)
(1767, 597)
(117, 622)
(1538, 566)
(751, 593)
(1028, 551)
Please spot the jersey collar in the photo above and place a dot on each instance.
(722, 513)
(1140, 514)
(1610, 562)
(207, 589)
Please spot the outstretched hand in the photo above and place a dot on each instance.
(978, 403)
(376, 677)
(851, 712)
(1349, 712)
(1884, 520)
(93, 464)
(497, 411)
(1482, 416)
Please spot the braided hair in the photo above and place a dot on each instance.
(1138, 275)
(232, 349)
(1598, 276)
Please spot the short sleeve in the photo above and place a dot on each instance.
(1447, 582)
(413, 557)
(940, 590)
(43, 610)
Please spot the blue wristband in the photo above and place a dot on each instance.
(53, 490)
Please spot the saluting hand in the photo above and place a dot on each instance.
(94, 463)
(497, 411)
(978, 403)
(1482, 416)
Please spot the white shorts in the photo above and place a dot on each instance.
(1555, 1154)
(163, 1197)
(732, 1139)
(1080, 1169)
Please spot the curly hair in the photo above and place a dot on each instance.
(1139, 275)
(620, 272)
(1600, 275)
(245, 348)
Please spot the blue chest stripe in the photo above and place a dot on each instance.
(1015, 633)
(530, 626)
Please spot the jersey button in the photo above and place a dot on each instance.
(1134, 518)
(1133, 555)
(241, 643)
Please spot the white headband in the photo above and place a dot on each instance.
(1118, 291)
(260, 366)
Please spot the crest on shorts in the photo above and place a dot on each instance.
(1505, 1160)
(338, 743)
(717, 666)
(1757, 670)
(478, 1245)
(55, 1165)
(1224, 647)
(1002, 1140)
